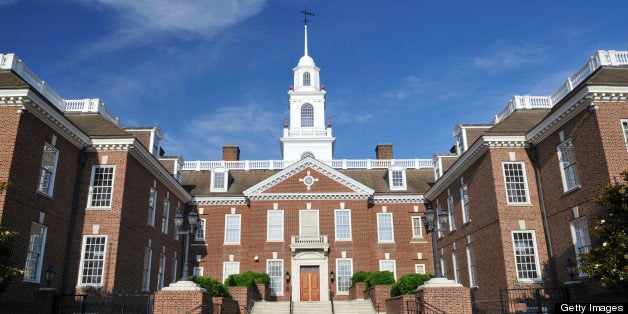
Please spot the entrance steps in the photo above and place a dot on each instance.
(340, 307)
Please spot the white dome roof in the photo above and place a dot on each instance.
(306, 60)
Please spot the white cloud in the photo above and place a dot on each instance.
(503, 58)
(8, 2)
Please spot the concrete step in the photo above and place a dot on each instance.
(340, 307)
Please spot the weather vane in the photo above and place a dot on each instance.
(306, 13)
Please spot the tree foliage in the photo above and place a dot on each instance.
(608, 259)
(247, 279)
(407, 283)
(213, 286)
(8, 272)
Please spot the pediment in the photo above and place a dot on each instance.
(309, 179)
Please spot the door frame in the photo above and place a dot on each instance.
(309, 259)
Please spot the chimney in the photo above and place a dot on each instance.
(230, 153)
(384, 151)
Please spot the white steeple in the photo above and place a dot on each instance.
(307, 132)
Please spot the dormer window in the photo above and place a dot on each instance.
(307, 115)
(306, 79)
(155, 142)
(220, 180)
(397, 178)
(460, 145)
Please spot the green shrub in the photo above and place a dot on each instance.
(408, 283)
(213, 286)
(359, 276)
(247, 279)
(380, 278)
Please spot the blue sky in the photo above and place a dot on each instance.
(213, 73)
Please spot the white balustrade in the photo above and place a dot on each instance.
(280, 164)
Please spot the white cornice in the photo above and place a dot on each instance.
(308, 196)
(307, 140)
(398, 199)
(222, 200)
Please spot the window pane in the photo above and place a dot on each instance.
(384, 227)
(32, 268)
(343, 274)
(102, 186)
(525, 255)
(275, 225)
(200, 232)
(416, 227)
(48, 169)
(568, 165)
(307, 115)
(92, 260)
(306, 79)
(232, 229)
(274, 269)
(516, 185)
(343, 224)
(309, 223)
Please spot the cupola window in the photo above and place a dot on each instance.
(397, 178)
(306, 79)
(220, 180)
(307, 115)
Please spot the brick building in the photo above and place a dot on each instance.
(96, 199)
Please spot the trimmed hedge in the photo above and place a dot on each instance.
(213, 286)
(408, 283)
(247, 279)
(373, 278)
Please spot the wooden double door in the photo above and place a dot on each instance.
(310, 283)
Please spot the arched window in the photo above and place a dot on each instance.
(306, 79)
(307, 154)
(307, 115)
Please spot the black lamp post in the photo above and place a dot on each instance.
(332, 278)
(289, 290)
(188, 227)
(49, 275)
(431, 227)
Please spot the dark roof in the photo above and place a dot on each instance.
(198, 183)
(518, 122)
(95, 125)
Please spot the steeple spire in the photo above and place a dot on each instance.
(306, 13)
(305, 48)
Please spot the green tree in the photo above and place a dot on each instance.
(8, 273)
(608, 260)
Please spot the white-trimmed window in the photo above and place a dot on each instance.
(624, 127)
(220, 180)
(200, 231)
(581, 239)
(173, 271)
(308, 223)
(161, 276)
(526, 256)
(451, 212)
(197, 271)
(397, 178)
(419, 268)
(464, 200)
(165, 216)
(344, 271)
(148, 259)
(274, 269)
(456, 264)
(417, 230)
(92, 260)
(343, 224)
(306, 78)
(230, 268)
(389, 265)
(274, 225)
(35, 254)
(443, 265)
(307, 115)
(516, 183)
(101, 187)
(473, 281)
(48, 169)
(385, 231)
(232, 228)
(152, 206)
(567, 162)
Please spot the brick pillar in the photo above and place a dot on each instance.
(445, 295)
(576, 292)
(384, 151)
(356, 291)
(230, 153)
(44, 300)
(183, 297)
(240, 294)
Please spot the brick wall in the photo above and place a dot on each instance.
(399, 304)
(378, 295)
(448, 299)
(356, 291)
(182, 302)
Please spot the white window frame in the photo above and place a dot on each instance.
(337, 234)
(581, 239)
(464, 201)
(392, 262)
(228, 269)
(48, 170)
(101, 259)
(152, 206)
(228, 228)
(456, 265)
(473, 280)
(318, 223)
(417, 227)
(380, 232)
(165, 216)
(92, 188)
(307, 115)
(199, 235)
(306, 79)
(35, 252)
(525, 255)
(276, 281)
(342, 277)
(197, 271)
(397, 178)
(511, 198)
(274, 229)
(147, 265)
(161, 275)
(567, 163)
(443, 266)
(624, 127)
(219, 186)
(451, 212)
(419, 269)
